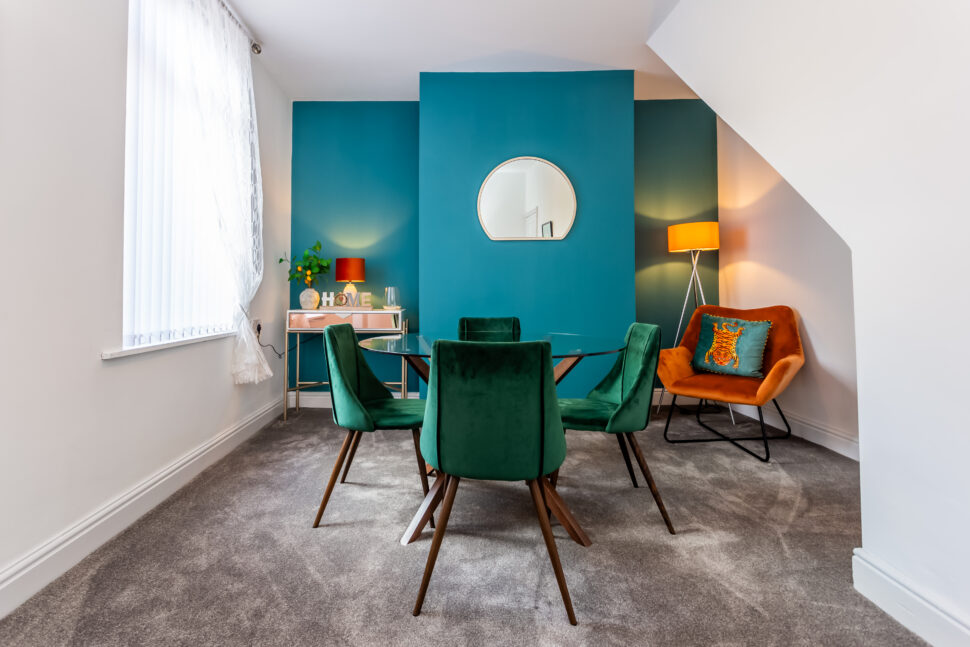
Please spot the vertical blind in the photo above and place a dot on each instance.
(193, 199)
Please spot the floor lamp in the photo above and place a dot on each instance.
(693, 237)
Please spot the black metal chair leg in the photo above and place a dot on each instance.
(783, 419)
(764, 437)
(670, 414)
(626, 458)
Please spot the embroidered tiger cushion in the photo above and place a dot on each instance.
(731, 346)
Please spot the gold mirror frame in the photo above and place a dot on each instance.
(481, 190)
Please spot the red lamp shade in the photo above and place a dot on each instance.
(350, 270)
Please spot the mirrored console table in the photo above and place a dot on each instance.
(312, 322)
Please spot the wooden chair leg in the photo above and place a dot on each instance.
(626, 459)
(554, 479)
(653, 486)
(350, 456)
(416, 435)
(550, 546)
(422, 469)
(450, 489)
(333, 476)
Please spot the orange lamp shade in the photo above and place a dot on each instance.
(350, 270)
(690, 235)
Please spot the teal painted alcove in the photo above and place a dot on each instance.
(675, 181)
(354, 188)
(583, 123)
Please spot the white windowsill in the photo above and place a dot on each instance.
(150, 348)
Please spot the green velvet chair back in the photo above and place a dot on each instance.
(352, 383)
(489, 329)
(629, 384)
(492, 411)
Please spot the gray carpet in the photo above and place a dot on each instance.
(762, 556)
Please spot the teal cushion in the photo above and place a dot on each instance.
(396, 414)
(731, 346)
(587, 414)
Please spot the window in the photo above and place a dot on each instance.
(193, 197)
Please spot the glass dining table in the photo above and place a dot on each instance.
(568, 348)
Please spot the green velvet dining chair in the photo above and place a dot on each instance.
(493, 415)
(489, 329)
(620, 403)
(361, 403)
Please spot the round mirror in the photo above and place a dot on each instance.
(526, 198)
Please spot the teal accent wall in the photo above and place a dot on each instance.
(584, 123)
(355, 189)
(675, 171)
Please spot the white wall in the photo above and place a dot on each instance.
(89, 445)
(776, 249)
(863, 107)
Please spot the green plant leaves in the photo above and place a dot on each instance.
(310, 262)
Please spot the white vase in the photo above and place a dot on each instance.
(309, 299)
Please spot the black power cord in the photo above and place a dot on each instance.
(259, 329)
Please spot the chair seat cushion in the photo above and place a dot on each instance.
(396, 414)
(584, 413)
(723, 388)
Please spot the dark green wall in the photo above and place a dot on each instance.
(675, 171)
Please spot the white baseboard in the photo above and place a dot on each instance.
(32, 572)
(813, 431)
(895, 595)
(321, 399)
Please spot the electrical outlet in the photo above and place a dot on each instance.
(257, 326)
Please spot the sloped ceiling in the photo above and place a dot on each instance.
(375, 49)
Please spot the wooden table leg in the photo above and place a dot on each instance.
(559, 510)
(564, 366)
(423, 515)
(420, 366)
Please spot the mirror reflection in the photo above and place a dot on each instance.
(526, 198)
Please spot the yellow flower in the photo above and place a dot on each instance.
(299, 269)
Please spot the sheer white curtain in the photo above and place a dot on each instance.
(193, 193)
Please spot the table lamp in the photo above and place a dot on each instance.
(350, 270)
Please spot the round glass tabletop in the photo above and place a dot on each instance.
(563, 344)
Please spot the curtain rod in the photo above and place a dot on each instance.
(255, 45)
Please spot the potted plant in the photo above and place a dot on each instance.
(307, 268)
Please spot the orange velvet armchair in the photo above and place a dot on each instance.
(782, 359)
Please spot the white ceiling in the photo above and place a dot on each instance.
(375, 49)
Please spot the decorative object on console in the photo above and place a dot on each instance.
(392, 298)
(307, 269)
(731, 346)
(350, 270)
(526, 198)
